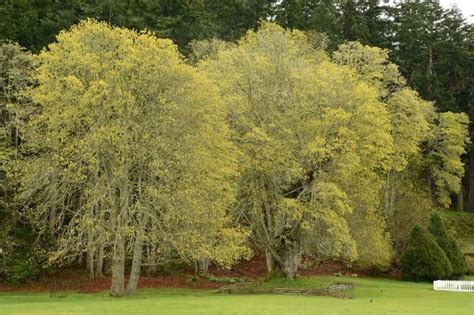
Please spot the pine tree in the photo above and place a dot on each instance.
(448, 244)
(424, 259)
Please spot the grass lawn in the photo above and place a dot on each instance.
(372, 296)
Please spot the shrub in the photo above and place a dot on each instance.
(449, 245)
(424, 259)
(23, 270)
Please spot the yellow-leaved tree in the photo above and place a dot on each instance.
(312, 133)
(425, 167)
(129, 146)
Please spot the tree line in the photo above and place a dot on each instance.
(431, 45)
(120, 153)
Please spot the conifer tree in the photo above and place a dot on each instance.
(448, 244)
(424, 259)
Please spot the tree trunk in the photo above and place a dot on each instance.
(203, 266)
(429, 183)
(52, 223)
(430, 72)
(100, 262)
(90, 262)
(119, 221)
(136, 265)
(460, 201)
(387, 207)
(118, 267)
(288, 261)
(269, 260)
(80, 259)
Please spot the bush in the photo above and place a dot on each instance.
(23, 270)
(424, 259)
(25, 254)
(449, 245)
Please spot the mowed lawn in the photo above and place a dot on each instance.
(372, 296)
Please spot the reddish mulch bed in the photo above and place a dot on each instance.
(74, 280)
(77, 280)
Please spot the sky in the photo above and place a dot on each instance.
(466, 7)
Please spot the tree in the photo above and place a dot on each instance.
(307, 128)
(16, 67)
(428, 146)
(409, 127)
(433, 50)
(16, 238)
(34, 24)
(200, 50)
(124, 152)
(341, 21)
(322, 16)
(430, 44)
(232, 18)
(445, 148)
(448, 244)
(424, 259)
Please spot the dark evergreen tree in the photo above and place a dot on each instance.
(449, 245)
(323, 16)
(34, 24)
(424, 260)
(364, 21)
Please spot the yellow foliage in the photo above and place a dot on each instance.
(306, 126)
(130, 138)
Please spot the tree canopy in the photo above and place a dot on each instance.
(125, 152)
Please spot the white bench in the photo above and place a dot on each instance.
(451, 285)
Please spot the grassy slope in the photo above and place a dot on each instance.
(373, 296)
(463, 225)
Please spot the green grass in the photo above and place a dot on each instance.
(462, 223)
(372, 296)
